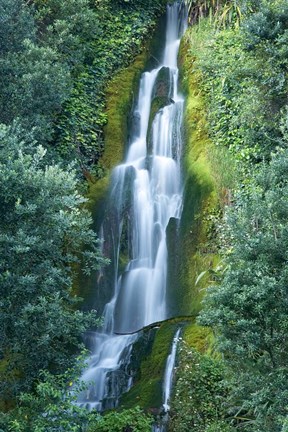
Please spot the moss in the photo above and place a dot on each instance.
(196, 255)
(199, 338)
(147, 390)
(120, 96)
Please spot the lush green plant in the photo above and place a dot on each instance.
(17, 25)
(132, 420)
(43, 230)
(245, 91)
(267, 24)
(200, 393)
(249, 308)
(222, 12)
(51, 407)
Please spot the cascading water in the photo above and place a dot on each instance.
(145, 193)
(168, 378)
(161, 425)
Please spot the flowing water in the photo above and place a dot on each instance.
(169, 373)
(163, 420)
(146, 192)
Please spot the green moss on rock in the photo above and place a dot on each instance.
(147, 390)
(196, 255)
(120, 96)
(199, 338)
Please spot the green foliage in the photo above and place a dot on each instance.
(245, 83)
(200, 394)
(119, 37)
(16, 26)
(245, 80)
(51, 407)
(42, 231)
(132, 420)
(56, 59)
(267, 24)
(240, 110)
(36, 85)
(249, 308)
(71, 28)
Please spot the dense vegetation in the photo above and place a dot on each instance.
(56, 59)
(242, 65)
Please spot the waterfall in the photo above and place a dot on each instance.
(146, 191)
(168, 377)
(162, 423)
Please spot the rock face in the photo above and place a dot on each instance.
(163, 84)
(161, 97)
(114, 229)
(173, 291)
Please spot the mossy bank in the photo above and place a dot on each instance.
(196, 255)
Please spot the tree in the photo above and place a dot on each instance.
(33, 88)
(16, 26)
(51, 406)
(249, 310)
(70, 28)
(200, 394)
(43, 230)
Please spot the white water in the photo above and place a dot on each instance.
(169, 372)
(151, 185)
(162, 423)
